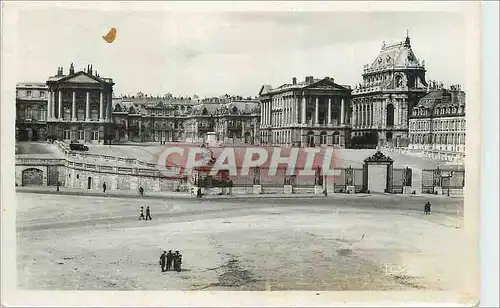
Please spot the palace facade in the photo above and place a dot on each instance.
(79, 106)
(392, 85)
(437, 123)
(148, 119)
(312, 112)
(236, 121)
(31, 111)
(168, 119)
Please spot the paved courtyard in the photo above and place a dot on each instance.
(336, 243)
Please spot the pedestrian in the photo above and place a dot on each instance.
(148, 214)
(162, 260)
(104, 187)
(198, 193)
(141, 215)
(170, 259)
(428, 208)
(177, 261)
(141, 191)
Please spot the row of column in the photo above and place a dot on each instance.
(51, 114)
(290, 111)
(367, 114)
(374, 113)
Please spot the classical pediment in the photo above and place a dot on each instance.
(81, 78)
(326, 84)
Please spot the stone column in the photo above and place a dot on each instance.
(87, 107)
(49, 105)
(73, 107)
(101, 106)
(59, 101)
(342, 111)
(396, 113)
(263, 116)
(329, 114)
(262, 113)
(303, 115)
(370, 114)
(295, 110)
(316, 112)
(109, 108)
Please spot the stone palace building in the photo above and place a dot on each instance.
(437, 123)
(31, 111)
(312, 112)
(79, 106)
(382, 103)
(394, 106)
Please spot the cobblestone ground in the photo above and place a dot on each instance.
(351, 243)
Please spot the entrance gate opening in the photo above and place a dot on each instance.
(378, 159)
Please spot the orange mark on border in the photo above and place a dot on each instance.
(111, 36)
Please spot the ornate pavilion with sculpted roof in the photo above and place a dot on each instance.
(391, 86)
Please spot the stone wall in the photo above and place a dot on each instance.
(78, 178)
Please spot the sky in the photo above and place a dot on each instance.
(216, 53)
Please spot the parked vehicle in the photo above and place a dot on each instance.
(78, 147)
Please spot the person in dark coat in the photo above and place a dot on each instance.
(427, 208)
(141, 191)
(162, 260)
(104, 187)
(148, 214)
(170, 259)
(177, 261)
(141, 215)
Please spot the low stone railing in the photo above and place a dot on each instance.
(88, 166)
(455, 157)
(64, 148)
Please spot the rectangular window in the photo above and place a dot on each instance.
(81, 135)
(28, 93)
(95, 135)
(42, 94)
(67, 134)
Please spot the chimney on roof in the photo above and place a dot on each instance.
(62, 71)
(90, 69)
(294, 80)
(71, 69)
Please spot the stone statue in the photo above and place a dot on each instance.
(349, 176)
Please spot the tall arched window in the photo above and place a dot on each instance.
(390, 114)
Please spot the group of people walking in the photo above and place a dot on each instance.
(148, 214)
(167, 259)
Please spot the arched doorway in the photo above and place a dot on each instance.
(41, 134)
(336, 138)
(32, 177)
(248, 137)
(29, 133)
(322, 138)
(390, 115)
(310, 138)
